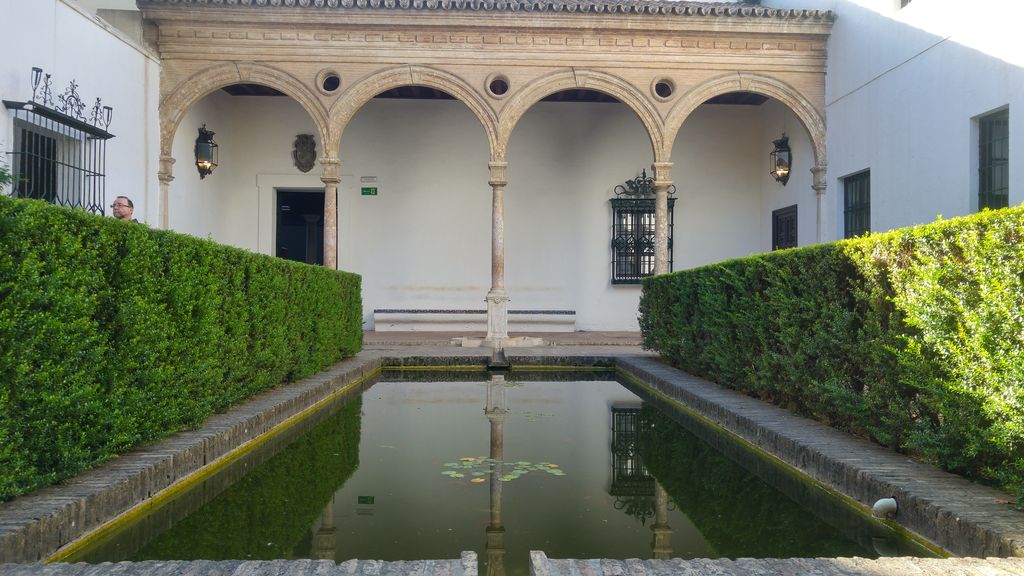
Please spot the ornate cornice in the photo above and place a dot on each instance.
(624, 7)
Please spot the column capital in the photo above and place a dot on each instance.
(820, 184)
(331, 170)
(662, 172)
(166, 172)
(498, 173)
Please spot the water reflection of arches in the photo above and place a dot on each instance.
(636, 491)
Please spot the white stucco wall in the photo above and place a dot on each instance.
(904, 89)
(424, 240)
(70, 44)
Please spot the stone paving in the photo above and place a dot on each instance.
(965, 518)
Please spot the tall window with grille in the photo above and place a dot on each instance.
(857, 204)
(633, 230)
(59, 152)
(994, 160)
(784, 228)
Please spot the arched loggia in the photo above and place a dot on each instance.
(566, 154)
(801, 106)
(425, 154)
(180, 98)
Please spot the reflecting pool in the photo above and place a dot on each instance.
(577, 465)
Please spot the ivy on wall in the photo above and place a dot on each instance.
(913, 338)
(113, 334)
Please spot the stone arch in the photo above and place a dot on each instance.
(362, 92)
(180, 98)
(570, 79)
(764, 85)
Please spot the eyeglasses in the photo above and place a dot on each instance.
(120, 206)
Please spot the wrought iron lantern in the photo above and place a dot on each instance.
(206, 152)
(782, 160)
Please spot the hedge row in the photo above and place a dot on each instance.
(913, 338)
(113, 334)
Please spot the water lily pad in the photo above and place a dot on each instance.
(552, 465)
(457, 475)
(477, 480)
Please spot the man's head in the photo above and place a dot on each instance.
(123, 208)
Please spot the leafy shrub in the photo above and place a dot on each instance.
(913, 338)
(113, 334)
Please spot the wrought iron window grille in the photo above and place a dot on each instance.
(857, 204)
(994, 160)
(59, 152)
(632, 242)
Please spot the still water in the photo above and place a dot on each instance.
(580, 468)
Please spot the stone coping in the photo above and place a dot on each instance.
(465, 566)
(541, 565)
(965, 518)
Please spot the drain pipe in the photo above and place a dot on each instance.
(884, 508)
(498, 360)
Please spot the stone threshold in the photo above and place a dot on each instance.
(965, 518)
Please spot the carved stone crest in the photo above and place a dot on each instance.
(304, 153)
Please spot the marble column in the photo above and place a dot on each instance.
(662, 182)
(165, 175)
(497, 298)
(819, 185)
(331, 177)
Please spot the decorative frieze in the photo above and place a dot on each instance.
(269, 39)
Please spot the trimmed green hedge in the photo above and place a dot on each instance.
(913, 338)
(113, 334)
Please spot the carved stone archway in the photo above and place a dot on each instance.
(521, 102)
(181, 97)
(364, 91)
(809, 116)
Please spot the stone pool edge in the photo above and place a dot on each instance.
(960, 516)
(938, 506)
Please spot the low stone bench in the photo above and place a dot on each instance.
(454, 320)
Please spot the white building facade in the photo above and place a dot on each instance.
(908, 94)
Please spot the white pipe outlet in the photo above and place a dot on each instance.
(884, 508)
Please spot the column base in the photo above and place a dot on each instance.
(516, 342)
(497, 316)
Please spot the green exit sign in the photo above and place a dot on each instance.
(365, 500)
(369, 191)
